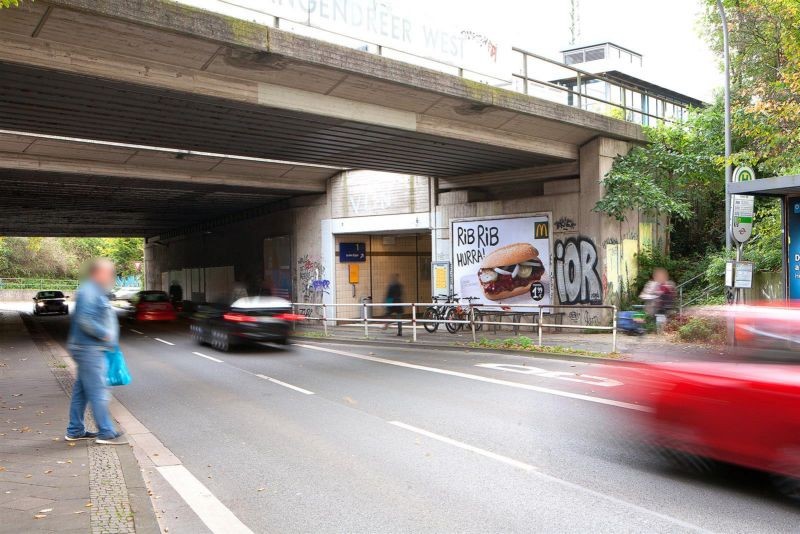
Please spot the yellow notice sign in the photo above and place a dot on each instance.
(353, 272)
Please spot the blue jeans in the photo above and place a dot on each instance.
(90, 388)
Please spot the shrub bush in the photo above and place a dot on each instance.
(702, 330)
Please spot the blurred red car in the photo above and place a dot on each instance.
(744, 413)
(152, 306)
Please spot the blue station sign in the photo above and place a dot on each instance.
(793, 247)
(352, 252)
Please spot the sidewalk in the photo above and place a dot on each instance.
(647, 348)
(47, 484)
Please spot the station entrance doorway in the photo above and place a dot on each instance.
(385, 254)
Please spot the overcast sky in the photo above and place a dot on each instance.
(667, 34)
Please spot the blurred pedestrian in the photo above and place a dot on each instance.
(93, 332)
(394, 295)
(659, 296)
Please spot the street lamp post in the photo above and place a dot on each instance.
(728, 148)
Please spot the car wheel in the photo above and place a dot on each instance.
(220, 340)
(283, 341)
(786, 477)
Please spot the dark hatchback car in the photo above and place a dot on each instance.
(50, 302)
(248, 320)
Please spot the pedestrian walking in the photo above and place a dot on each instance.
(659, 296)
(394, 295)
(93, 332)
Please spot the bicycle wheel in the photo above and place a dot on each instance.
(453, 315)
(478, 321)
(431, 314)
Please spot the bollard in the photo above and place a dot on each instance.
(324, 319)
(414, 322)
(614, 329)
(366, 324)
(541, 316)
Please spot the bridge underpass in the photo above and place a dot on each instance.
(208, 135)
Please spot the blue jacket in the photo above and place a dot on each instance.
(94, 322)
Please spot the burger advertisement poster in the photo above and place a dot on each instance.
(502, 261)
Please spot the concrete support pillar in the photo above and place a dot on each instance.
(615, 244)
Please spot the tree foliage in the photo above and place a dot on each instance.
(49, 257)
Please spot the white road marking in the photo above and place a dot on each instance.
(207, 357)
(560, 375)
(535, 472)
(284, 384)
(208, 508)
(465, 446)
(508, 383)
(164, 342)
(136, 331)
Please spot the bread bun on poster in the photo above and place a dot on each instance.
(510, 270)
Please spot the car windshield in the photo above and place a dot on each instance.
(154, 297)
(50, 295)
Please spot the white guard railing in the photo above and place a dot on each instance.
(469, 315)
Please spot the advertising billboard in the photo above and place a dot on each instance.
(502, 261)
(793, 247)
(416, 27)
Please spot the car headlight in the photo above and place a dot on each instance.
(40, 303)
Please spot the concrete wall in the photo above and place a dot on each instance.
(16, 295)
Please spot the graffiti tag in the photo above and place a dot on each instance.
(565, 224)
(577, 279)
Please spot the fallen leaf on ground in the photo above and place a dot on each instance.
(88, 505)
(16, 394)
(39, 516)
(2, 468)
(45, 510)
(70, 444)
(261, 489)
(28, 476)
(48, 471)
(80, 512)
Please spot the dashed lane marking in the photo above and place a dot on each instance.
(136, 331)
(497, 381)
(164, 342)
(218, 518)
(550, 478)
(207, 357)
(465, 446)
(284, 384)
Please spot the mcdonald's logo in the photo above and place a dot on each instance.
(541, 230)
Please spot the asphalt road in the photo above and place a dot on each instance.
(336, 438)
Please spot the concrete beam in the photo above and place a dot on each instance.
(532, 174)
(179, 18)
(25, 162)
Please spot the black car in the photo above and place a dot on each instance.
(248, 320)
(50, 302)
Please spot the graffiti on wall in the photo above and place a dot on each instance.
(564, 224)
(311, 279)
(577, 279)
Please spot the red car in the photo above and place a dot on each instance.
(745, 413)
(152, 306)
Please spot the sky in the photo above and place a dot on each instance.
(667, 34)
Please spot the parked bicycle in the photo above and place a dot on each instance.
(457, 316)
(437, 312)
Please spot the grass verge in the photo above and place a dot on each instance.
(526, 344)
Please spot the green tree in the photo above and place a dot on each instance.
(675, 175)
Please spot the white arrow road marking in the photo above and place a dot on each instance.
(560, 375)
(164, 342)
(207, 357)
(496, 381)
(284, 384)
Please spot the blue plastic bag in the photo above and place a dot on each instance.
(118, 374)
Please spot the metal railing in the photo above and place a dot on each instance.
(581, 97)
(38, 284)
(472, 316)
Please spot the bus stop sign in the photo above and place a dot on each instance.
(742, 207)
